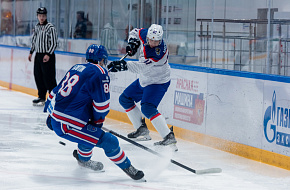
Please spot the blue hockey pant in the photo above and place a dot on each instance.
(150, 97)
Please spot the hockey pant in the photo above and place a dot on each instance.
(89, 137)
(150, 97)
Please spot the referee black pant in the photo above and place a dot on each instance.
(44, 74)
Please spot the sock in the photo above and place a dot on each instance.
(160, 125)
(135, 116)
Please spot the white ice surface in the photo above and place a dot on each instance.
(32, 158)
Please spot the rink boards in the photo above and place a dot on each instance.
(239, 112)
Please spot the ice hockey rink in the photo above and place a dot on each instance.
(32, 158)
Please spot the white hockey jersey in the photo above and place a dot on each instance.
(153, 64)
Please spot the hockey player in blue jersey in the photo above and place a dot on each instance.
(77, 109)
(150, 87)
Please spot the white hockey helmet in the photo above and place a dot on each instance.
(155, 32)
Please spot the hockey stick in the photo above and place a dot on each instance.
(203, 171)
(124, 56)
(120, 60)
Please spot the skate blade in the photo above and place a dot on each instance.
(99, 171)
(90, 169)
(143, 138)
(142, 180)
(38, 104)
(173, 147)
(93, 171)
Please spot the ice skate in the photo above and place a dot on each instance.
(38, 102)
(134, 173)
(141, 134)
(169, 140)
(93, 165)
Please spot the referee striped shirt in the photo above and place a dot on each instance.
(44, 38)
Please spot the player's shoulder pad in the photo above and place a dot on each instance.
(143, 34)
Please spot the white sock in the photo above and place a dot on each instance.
(135, 116)
(160, 125)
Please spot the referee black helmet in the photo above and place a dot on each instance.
(41, 10)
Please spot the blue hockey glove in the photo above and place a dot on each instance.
(132, 46)
(116, 66)
(48, 122)
(46, 106)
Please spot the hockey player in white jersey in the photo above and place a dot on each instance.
(150, 87)
(77, 109)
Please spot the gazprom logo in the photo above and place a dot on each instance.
(277, 124)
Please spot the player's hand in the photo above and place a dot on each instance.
(45, 58)
(29, 57)
(111, 67)
(46, 106)
(116, 66)
(132, 46)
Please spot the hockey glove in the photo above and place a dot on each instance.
(48, 122)
(132, 46)
(116, 66)
(46, 106)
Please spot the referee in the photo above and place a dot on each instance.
(44, 42)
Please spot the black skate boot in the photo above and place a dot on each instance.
(134, 173)
(93, 165)
(38, 102)
(169, 140)
(141, 134)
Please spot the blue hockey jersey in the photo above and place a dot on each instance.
(81, 96)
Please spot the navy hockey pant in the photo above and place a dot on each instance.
(150, 97)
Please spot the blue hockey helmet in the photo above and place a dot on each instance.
(95, 53)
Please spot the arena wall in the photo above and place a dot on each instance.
(243, 113)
